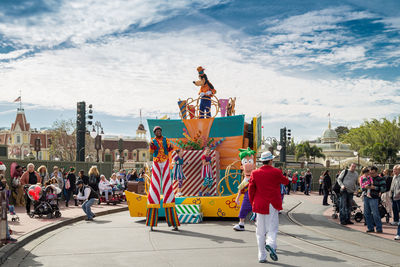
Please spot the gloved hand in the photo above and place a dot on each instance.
(201, 94)
(208, 93)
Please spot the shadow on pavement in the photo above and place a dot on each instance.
(21, 257)
(309, 256)
(307, 237)
(214, 238)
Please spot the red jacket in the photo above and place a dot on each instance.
(264, 189)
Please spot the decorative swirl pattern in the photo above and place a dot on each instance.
(196, 113)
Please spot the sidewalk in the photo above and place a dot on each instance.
(389, 231)
(26, 225)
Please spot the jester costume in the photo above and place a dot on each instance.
(160, 148)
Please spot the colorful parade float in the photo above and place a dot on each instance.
(225, 133)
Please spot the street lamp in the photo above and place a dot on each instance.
(358, 158)
(96, 133)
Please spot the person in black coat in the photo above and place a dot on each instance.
(326, 186)
(69, 185)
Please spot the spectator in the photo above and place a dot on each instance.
(371, 211)
(105, 187)
(94, 179)
(347, 181)
(386, 198)
(326, 187)
(69, 186)
(17, 189)
(58, 176)
(321, 181)
(42, 170)
(265, 197)
(307, 181)
(395, 208)
(83, 177)
(294, 181)
(59, 173)
(395, 195)
(114, 181)
(133, 175)
(289, 185)
(30, 177)
(301, 179)
(88, 195)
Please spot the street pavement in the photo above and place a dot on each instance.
(307, 238)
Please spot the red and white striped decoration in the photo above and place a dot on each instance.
(193, 182)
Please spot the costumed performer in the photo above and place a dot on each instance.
(248, 165)
(177, 171)
(265, 197)
(206, 172)
(160, 148)
(206, 92)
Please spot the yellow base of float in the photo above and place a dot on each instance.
(212, 206)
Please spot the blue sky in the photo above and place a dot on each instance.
(292, 61)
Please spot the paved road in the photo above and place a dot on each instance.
(118, 240)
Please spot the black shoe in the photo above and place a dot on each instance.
(87, 219)
(94, 215)
(11, 240)
(349, 222)
(326, 204)
(175, 228)
(370, 231)
(379, 231)
(66, 204)
(343, 223)
(151, 228)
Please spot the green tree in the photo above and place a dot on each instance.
(316, 152)
(377, 139)
(291, 148)
(303, 150)
(341, 131)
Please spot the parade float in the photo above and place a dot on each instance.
(225, 133)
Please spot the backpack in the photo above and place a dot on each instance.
(67, 184)
(92, 180)
(336, 187)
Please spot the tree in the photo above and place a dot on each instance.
(377, 139)
(303, 150)
(341, 131)
(63, 140)
(316, 152)
(291, 148)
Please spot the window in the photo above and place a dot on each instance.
(18, 139)
(144, 155)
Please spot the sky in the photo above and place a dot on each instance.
(292, 61)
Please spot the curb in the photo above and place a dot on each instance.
(7, 250)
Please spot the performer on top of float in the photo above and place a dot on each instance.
(177, 171)
(206, 92)
(160, 148)
(248, 165)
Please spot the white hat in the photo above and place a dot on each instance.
(267, 155)
(2, 166)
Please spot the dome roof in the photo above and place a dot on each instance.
(329, 136)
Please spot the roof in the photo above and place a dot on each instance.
(127, 144)
(3, 138)
(141, 127)
(21, 121)
(43, 142)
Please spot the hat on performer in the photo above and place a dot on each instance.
(200, 70)
(266, 156)
(157, 128)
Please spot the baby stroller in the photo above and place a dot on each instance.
(47, 204)
(356, 212)
(382, 210)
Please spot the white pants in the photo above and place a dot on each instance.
(267, 230)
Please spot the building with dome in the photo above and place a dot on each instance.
(335, 151)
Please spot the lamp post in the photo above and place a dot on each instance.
(96, 133)
(358, 158)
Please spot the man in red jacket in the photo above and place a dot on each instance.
(265, 198)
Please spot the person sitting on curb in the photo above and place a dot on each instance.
(89, 196)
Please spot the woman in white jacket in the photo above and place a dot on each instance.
(105, 187)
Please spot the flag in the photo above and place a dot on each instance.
(18, 99)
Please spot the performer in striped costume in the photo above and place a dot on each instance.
(178, 171)
(206, 172)
(160, 147)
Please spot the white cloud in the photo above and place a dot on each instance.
(13, 54)
(152, 71)
(77, 21)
